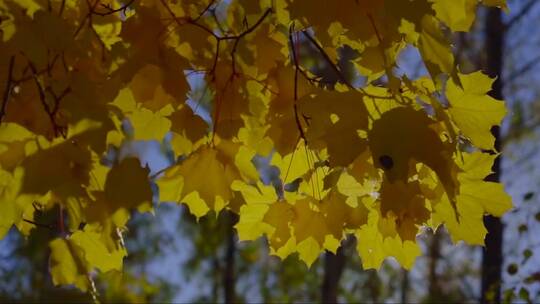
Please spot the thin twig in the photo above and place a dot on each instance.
(204, 10)
(48, 226)
(295, 107)
(50, 112)
(7, 90)
(244, 33)
(62, 6)
(111, 11)
(215, 17)
(88, 17)
(339, 74)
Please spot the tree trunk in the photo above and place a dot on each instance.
(229, 279)
(404, 286)
(435, 292)
(333, 268)
(492, 255)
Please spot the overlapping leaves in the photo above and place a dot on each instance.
(224, 82)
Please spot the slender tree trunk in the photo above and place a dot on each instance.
(374, 286)
(435, 293)
(492, 254)
(229, 278)
(404, 286)
(334, 264)
(215, 279)
(333, 268)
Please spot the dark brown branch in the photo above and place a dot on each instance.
(204, 11)
(48, 226)
(62, 6)
(184, 21)
(218, 38)
(47, 70)
(336, 70)
(214, 16)
(7, 90)
(111, 11)
(40, 89)
(244, 33)
(296, 68)
(236, 38)
(216, 56)
(100, 41)
(252, 28)
(379, 37)
(50, 65)
(51, 112)
(88, 17)
(339, 74)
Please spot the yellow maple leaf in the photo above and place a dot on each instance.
(473, 111)
(209, 172)
(459, 15)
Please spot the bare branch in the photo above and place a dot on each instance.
(48, 226)
(7, 90)
(111, 11)
(339, 74)
(296, 69)
(51, 112)
(244, 33)
(252, 28)
(204, 10)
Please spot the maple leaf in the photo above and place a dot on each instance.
(473, 111)
(334, 121)
(203, 180)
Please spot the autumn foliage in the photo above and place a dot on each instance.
(223, 82)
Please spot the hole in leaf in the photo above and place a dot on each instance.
(386, 162)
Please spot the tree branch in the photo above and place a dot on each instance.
(48, 226)
(7, 90)
(327, 58)
(111, 11)
(244, 33)
(296, 68)
(204, 10)
(51, 112)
